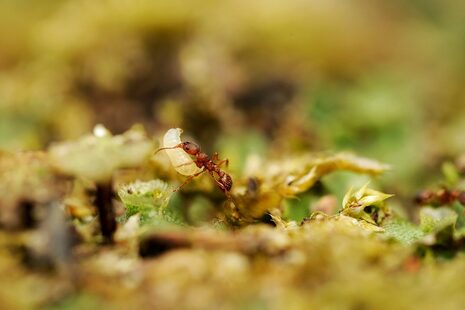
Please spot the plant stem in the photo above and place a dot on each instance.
(106, 211)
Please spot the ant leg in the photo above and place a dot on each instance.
(189, 178)
(220, 185)
(224, 161)
(216, 157)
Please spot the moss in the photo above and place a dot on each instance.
(307, 101)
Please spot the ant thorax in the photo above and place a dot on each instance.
(202, 157)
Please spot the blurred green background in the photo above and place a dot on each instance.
(384, 79)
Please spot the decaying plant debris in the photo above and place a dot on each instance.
(243, 252)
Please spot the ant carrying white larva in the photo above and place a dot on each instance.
(180, 154)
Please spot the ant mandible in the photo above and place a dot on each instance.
(204, 162)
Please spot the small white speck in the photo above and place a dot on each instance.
(100, 131)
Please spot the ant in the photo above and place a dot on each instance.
(208, 164)
(441, 197)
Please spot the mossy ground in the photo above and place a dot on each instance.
(308, 100)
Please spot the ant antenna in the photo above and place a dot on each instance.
(167, 148)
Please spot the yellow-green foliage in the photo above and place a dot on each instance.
(286, 90)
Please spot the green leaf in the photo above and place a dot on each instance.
(149, 199)
(460, 210)
(433, 220)
(450, 173)
(403, 231)
(298, 208)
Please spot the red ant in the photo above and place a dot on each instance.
(443, 196)
(202, 160)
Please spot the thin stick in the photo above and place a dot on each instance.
(106, 211)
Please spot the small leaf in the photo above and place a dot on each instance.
(345, 200)
(433, 220)
(355, 205)
(403, 231)
(145, 198)
(370, 200)
(361, 192)
(450, 173)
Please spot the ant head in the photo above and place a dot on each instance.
(190, 148)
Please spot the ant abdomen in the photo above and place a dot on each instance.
(227, 182)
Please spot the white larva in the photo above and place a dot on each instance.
(181, 161)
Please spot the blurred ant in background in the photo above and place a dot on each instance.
(443, 196)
